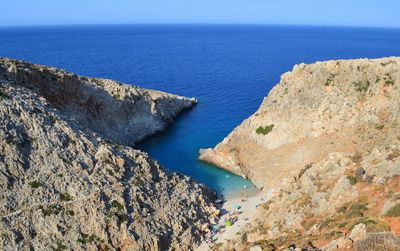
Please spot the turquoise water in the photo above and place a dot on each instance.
(228, 68)
(178, 148)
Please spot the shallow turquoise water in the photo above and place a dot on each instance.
(228, 68)
(178, 148)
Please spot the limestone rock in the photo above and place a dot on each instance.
(255, 248)
(326, 140)
(358, 233)
(68, 180)
(335, 106)
(115, 111)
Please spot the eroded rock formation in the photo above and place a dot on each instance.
(69, 180)
(327, 140)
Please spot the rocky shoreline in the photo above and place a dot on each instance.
(69, 178)
(325, 143)
(327, 140)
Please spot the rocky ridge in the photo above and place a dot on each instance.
(68, 178)
(122, 113)
(326, 139)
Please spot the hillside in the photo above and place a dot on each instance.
(68, 176)
(326, 139)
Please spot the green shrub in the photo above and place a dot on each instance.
(365, 220)
(357, 210)
(286, 91)
(352, 180)
(334, 234)
(71, 141)
(329, 81)
(389, 82)
(11, 140)
(394, 211)
(121, 217)
(360, 207)
(264, 206)
(264, 130)
(4, 95)
(118, 205)
(343, 209)
(386, 63)
(60, 245)
(110, 172)
(325, 223)
(54, 209)
(65, 197)
(85, 238)
(139, 183)
(362, 86)
(372, 224)
(243, 238)
(70, 212)
(35, 184)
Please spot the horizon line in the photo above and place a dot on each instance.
(195, 23)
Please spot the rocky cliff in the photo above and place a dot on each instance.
(122, 113)
(327, 140)
(69, 180)
(336, 106)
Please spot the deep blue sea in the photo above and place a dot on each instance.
(228, 68)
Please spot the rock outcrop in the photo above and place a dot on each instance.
(69, 180)
(327, 141)
(122, 113)
(337, 106)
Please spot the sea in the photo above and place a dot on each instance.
(228, 68)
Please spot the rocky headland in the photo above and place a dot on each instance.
(326, 141)
(69, 178)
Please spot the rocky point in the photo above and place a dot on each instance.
(69, 178)
(326, 141)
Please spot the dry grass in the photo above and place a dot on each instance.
(379, 241)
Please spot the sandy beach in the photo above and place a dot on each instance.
(241, 206)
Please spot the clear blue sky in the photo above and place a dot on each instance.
(382, 13)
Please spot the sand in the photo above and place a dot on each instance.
(248, 204)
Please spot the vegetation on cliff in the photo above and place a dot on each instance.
(332, 158)
(69, 180)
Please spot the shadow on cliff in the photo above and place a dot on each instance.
(125, 116)
(110, 110)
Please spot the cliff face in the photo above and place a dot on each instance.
(327, 141)
(68, 181)
(122, 113)
(337, 106)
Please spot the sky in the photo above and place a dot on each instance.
(369, 13)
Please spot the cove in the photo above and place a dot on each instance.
(228, 68)
(177, 149)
